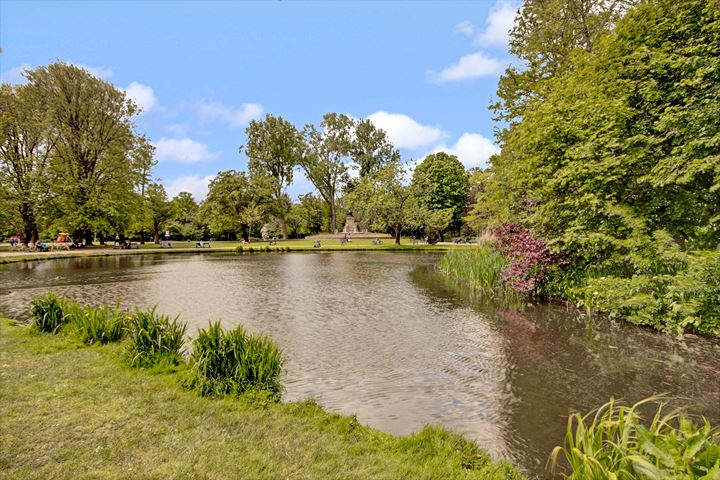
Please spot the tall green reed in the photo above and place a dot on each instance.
(97, 324)
(48, 313)
(479, 268)
(612, 442)
(155, 339)
(233, 362)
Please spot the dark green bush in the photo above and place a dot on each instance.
(48, 313)
(233, 362)
(155, 339)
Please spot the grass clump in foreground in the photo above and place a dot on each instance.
(155, 339)
(96, 324)
(613, 443)
(233, 362)
(72, 412)
(48, 313)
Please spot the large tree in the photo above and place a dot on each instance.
(383, 200)
(370, 148)
(325, 162)
(236, 202)
(274, 148)
(27, 141)
(441, 183)
(93, 173)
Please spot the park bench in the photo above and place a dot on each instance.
(273, 241)
(377, 241)
(202, 244)
(165, 243)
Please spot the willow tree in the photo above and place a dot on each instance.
(274, 148)
(92, 174)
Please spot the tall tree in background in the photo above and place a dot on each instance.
(158, 209)
(92, 176)
(370, 148)
(441, 183)
(236, 202)
(324, 161)
(27, 141)
(383, 200)
(274, 148)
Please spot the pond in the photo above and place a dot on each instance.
(384, 336)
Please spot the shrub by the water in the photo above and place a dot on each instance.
(97, 325)
(155, 339)
(233, 362)
(48, 313)
(612, 442)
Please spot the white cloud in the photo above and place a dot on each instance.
(470, 66)
(15, 74)
(234, 117)
(143, 96)
(100, 72)
(472, 149)
(179, 129)
(404, 132)
(182, 150)
(498, 25)
(195, 184)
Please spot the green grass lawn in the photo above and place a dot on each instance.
(70, 411)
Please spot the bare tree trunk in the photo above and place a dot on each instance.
(398, 231)
(283, 227)
(333, 217)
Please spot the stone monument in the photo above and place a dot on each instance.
(351, 226)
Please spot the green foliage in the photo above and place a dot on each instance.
(155, 339)
(612, 442)
(48, 313)
(96, 324)
(440, 182)
(480, 268)
(233, 362)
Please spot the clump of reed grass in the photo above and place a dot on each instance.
(97, 325)
(48, 313)
(233, 363)
(480, 268)
(612, 442)
(155, 339)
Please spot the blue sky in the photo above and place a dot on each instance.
(425, 71)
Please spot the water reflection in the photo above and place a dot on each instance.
(384, 336)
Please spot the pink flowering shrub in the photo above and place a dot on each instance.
(529, 257)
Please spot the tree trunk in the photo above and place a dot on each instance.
(398, 231)
(283, 227)
(30, 231)
(142, 237)
(88, 234)
(333, 217)
(156, 237)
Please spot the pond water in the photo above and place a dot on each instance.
(384, 336)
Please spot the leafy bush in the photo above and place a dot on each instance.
(48, 313)
(688, 299)
(155, 339)
(97, 325)
(233, 362)
(613, 443)
(529, 258)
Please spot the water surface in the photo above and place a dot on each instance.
(384, 336)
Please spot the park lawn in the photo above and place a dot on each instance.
(70, 411)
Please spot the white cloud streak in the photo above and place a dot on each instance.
(471, 66)
(404, 132)
(143, 96)
(234, 117)
(472, 149)
(498, 25)
(183, 150)
(195, 184)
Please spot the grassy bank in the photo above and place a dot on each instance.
(229, 247)
(71, 411)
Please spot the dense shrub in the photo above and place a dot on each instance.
(233, 362)
(48, 313)
(613, 442)
(529, 258)
(155, 339)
